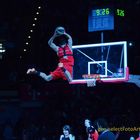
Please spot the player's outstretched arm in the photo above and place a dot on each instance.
(52, 44)
(70, 42)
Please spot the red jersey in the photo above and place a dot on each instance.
(92, 133)
(93, 136)
(66, 57)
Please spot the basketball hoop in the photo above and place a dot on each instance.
(91, 83)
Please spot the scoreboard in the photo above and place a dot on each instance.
(103, 19)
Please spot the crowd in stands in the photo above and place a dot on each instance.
(44, 109)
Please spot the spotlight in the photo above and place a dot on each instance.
(37, 13)
(130, 44)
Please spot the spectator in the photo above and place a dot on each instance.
(67, 135)
(104, 132)
(91, 131)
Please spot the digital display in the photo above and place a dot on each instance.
(100, 19)
(120, 12)
(101, 12)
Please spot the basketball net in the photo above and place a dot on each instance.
(91, 83)
(92, 78)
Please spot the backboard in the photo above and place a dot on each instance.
(104, 61)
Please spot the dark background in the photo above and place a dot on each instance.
(31, 100)
(16, 22)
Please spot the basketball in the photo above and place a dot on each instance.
(60, 30)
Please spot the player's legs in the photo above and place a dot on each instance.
(61, 72)
(41, 74)
(65, 68)
(67, 75)
(45, 77)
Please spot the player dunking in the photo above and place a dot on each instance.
(64, 52)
